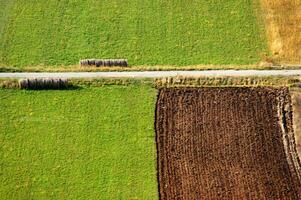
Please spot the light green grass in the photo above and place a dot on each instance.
(146, 32)
(93, 143)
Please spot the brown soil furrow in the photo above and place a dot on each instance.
(226, 143)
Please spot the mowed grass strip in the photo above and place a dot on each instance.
(55, 33)
(95, 143)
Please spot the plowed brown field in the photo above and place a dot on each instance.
(226, 143)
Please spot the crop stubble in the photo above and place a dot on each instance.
(226, 143)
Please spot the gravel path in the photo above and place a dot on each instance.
(153, 74)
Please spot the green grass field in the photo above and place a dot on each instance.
(92, 143)
(146, 32)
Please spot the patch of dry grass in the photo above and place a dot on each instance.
(9, 83)
(226, 81)
(283, 24)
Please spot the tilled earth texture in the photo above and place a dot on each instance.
(226, 143)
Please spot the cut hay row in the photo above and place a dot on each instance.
(104, 62)
(43, 83)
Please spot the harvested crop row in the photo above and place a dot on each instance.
(226, 143)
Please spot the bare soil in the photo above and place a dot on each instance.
(226, 143)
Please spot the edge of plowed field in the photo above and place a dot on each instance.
(156, 141)
(286, 119)
(284, 111)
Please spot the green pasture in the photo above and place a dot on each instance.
(90, 143)
(146, 32)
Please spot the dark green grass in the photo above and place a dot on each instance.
(93, 143)
(146, 32)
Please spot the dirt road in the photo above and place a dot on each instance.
(153, 74)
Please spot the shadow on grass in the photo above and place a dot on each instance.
(69, 87)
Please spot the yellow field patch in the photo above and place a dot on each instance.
(283, 22)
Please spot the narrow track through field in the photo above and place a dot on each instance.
(151, 74)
